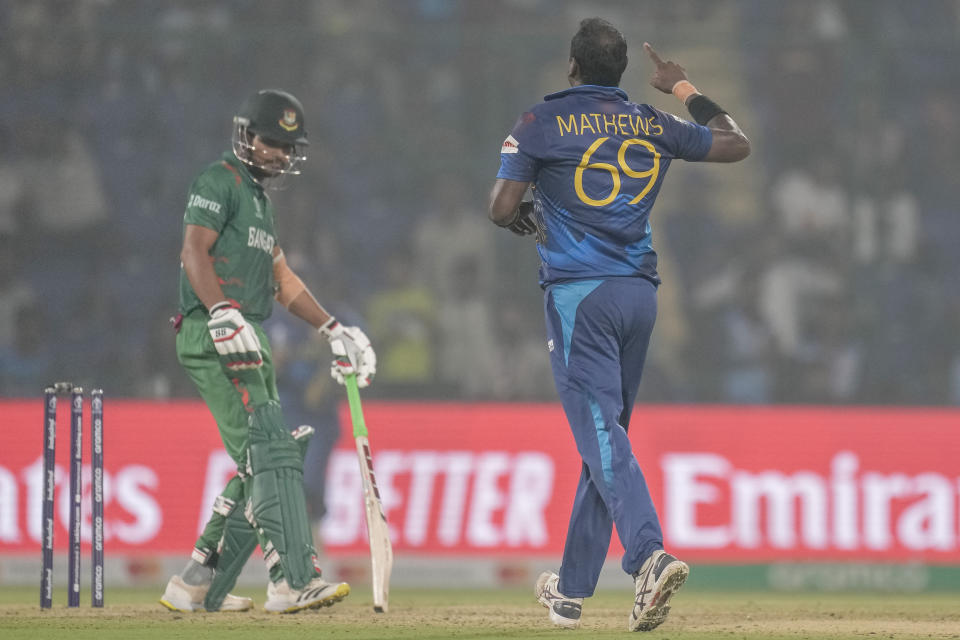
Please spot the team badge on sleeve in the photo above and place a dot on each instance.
(510, 145)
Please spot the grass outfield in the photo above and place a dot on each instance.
(425, 614)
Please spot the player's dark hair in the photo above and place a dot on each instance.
(600, 51)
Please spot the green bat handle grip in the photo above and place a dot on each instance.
(356, 412)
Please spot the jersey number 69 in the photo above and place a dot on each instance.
(651, 173)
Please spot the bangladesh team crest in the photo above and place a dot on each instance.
(289, 120)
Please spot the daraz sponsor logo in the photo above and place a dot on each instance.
(203, 203)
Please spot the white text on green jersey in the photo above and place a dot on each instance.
(261, 240)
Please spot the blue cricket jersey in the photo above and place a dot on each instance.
(596, 161)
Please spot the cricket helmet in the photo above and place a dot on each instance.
(277, 118)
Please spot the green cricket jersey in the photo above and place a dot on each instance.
(225, 198)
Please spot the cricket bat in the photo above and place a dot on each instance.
(381, 551)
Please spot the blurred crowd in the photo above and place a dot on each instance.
(822, 270)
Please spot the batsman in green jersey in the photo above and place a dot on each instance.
(232, 269)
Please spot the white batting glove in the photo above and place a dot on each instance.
(234, 337)
(355, 355)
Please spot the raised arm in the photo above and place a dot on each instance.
(729, 142)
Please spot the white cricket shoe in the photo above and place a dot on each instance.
(564, 611)
(180, 596)
(660, 576)
(318, 593)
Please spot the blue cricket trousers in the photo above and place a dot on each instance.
(598, 332)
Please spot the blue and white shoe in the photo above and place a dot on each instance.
(564, 611)
(660, 576)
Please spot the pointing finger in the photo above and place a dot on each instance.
(653, 54)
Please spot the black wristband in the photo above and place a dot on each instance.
(703, 109)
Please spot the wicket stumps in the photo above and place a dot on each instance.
(96, 496)
(50, 395)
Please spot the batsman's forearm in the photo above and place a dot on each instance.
(306, 307)
(202, 277)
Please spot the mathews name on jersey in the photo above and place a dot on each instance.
(596, 161)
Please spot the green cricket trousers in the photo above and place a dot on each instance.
(228, 396)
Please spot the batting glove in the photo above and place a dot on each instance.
(522, 223)
(354, 353)
(234, 337)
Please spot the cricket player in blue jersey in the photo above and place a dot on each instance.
(595, 163)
